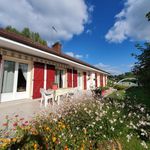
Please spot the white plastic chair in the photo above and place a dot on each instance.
(46, 95)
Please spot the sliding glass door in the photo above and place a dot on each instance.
(14, 81)
(59, 78)
(8, 77)
(80, 80)
(22, 77)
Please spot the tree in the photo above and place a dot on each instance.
(35, 37)
(26, 32)
(142, 66)
(148, 16)
(11, 29)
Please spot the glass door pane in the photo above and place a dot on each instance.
(22, 77)
(59, 78)
(8, 76)
(79, 78)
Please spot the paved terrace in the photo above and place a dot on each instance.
(30, 108)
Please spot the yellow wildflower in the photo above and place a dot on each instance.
(4, 144)
(66, 148)
(54, 138)
(63, 126)
(14, 140)
(47, 128)
(35, 146)
(82, 147)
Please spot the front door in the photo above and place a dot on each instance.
(38, 79)
(15, 81)
(75, 78)
(50, 76)
(69, 77)
(85, 80)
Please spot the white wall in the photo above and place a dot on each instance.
(93, 79)
(80, 79)
(98, 80)
(0, 76)
(104, 81)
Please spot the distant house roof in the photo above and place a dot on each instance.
(27, 41)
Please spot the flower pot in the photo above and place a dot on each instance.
(54, 86)
(103, 92)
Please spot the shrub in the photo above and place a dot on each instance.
(120, 87)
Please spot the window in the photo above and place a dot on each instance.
(8, 76)
(79, 79)
(59, 78)
(22, 77)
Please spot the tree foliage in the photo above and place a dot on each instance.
(148, 16)
(142, 66)
(35, 37)
(122, 76)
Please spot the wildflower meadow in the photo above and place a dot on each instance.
(110, 124)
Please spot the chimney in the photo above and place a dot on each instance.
(57, 47)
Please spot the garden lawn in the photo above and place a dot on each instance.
(141, 95)
(118, 95)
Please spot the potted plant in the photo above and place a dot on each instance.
(55, 86)
(103, 89)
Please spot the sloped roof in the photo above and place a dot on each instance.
(27, 41)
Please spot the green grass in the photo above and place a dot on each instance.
(135, 144)
(140, 94)
(120, 94)
(135, 93)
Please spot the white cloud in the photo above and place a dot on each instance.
(88, 31)
(74, 55)
(130, 66)
(131, 22)
(68, 17)
(111, 69)
(70, 54)
(78, 56)
(91, 8)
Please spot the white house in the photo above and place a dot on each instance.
(25, 67)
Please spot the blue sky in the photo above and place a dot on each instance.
(102, 33)
(114, 57)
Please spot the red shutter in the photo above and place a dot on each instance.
(101, 79)
(38, 79)
(95, 79)
(50, 76)
(85, 86)
(69, 77)
(0, 60)
(74, 78)
(105, 80)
